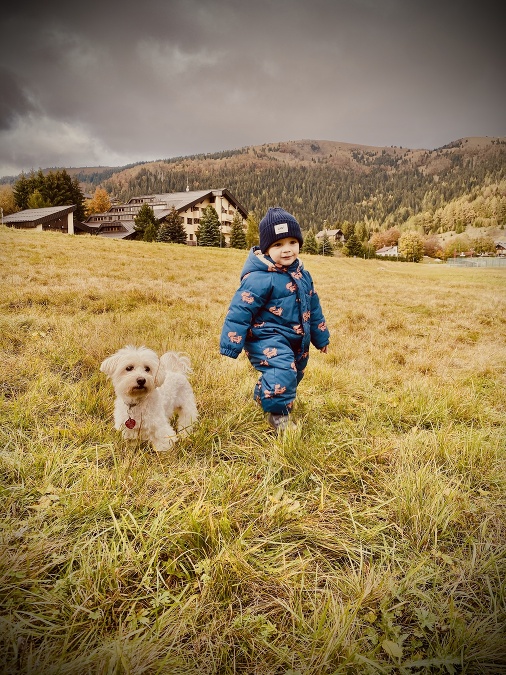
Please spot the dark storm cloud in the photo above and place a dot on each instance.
(13, 100)
(113, 82)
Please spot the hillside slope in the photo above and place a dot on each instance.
(328, 180)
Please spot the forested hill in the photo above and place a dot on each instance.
(323, 180)
(326, 180)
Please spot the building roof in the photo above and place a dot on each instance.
(329, 233)
(184, 200)
(385, 250)
(37, 216)
(102, 229)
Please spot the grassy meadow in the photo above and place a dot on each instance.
(371, 541)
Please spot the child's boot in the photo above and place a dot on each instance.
(280, 422)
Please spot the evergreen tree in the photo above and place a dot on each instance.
(361, 231)
(150, 233)
(237, 235)
(77, 198)
(163, 234)
(55, 189)
(325, 247)
(37, 201)
(21, 191)
(348, 229)
(310, 244)
(353, 247)
(142, 222)
(252, 233)
(173, 230)
(209, 230)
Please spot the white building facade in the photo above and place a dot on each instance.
(118, 222)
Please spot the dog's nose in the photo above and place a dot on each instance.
(141, 381)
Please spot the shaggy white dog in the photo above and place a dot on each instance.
(149, 392)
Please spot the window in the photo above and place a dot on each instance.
(190, 237)
(189, 221)
(196, 221)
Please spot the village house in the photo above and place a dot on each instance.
(51, 218)
(119, 221)
(333, 235)
(500, 248)
(386, 251)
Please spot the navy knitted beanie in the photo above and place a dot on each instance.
(278, 224)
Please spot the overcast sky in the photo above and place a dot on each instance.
(109, 83)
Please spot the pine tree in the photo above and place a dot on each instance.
(77, 198)
(310, 244)
(143, 220)
(21, 191)
(252, 233)
(209, 229)
(55, 189)
(150, 233)
(37, 201)
(353, 247)
(173, 230)
(237, 235)
(325, 247)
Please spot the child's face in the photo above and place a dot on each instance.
(284, 251)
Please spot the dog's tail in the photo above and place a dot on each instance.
(177, 362)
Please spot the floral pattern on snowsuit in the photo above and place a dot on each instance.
(274, 315)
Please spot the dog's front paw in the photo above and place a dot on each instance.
(164, 443)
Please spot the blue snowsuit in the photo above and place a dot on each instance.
(274, 315)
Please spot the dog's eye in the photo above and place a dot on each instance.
(147, 369)
(129, 368)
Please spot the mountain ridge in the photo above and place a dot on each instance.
(325, 182)
(297, 151)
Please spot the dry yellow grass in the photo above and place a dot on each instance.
(373, 542)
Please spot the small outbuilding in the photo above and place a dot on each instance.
(51, 218)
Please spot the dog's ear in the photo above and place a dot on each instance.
(159, 375)
(109, 365)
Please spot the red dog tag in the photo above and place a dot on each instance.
(130, 423)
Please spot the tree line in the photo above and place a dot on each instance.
(378, 196)
(56, 188)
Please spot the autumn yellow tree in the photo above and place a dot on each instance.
(7, 201)
(388, 237)
(411, 246)
(252, 235)
(99, 203)
(456, 245)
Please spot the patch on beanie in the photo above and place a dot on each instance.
(280, 228)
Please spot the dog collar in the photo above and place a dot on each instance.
(130, 423)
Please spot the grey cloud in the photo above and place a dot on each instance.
(164, 78)
(13, 100)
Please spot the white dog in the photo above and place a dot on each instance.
(149, 391)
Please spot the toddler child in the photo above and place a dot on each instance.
(274, 315)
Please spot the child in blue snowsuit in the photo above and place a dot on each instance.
(274, 315)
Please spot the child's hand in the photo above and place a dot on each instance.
(324, 349)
